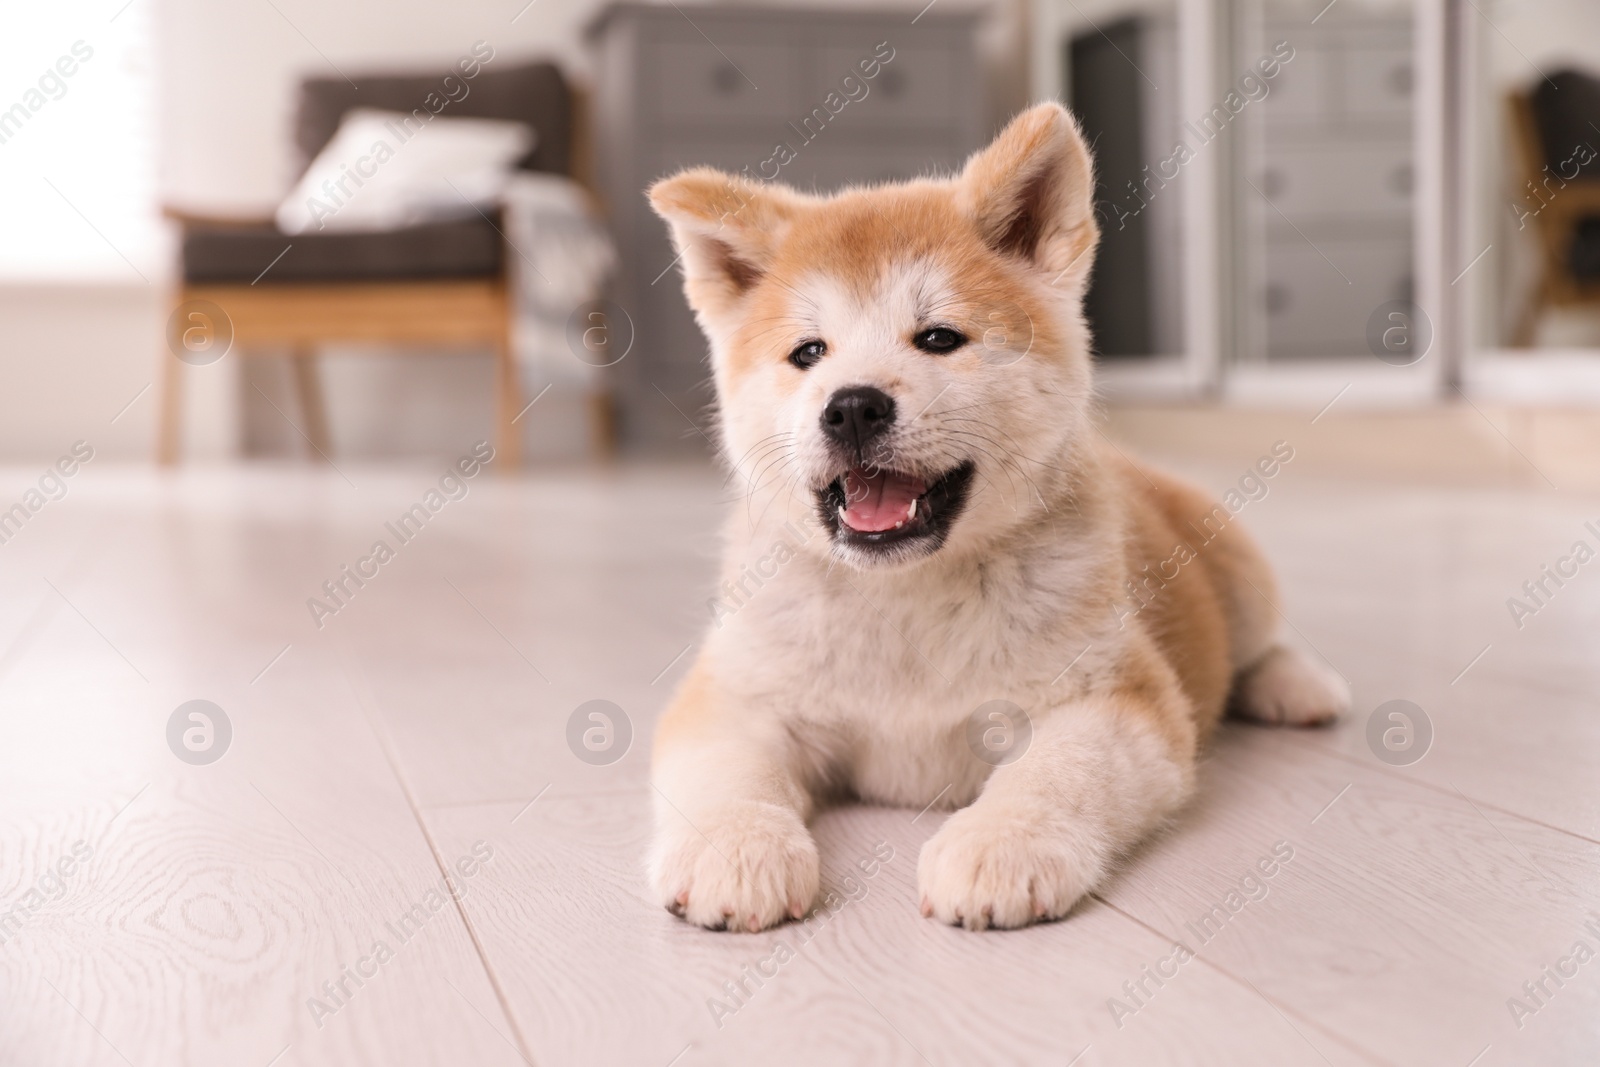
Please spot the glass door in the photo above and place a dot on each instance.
(1529, 155)
(1271, 179)
(1126, 69)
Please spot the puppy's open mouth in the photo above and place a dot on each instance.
(872, 508)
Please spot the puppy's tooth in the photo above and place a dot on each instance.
(913, 509)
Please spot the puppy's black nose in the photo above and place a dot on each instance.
(854, 416)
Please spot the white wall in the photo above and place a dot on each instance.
(225, 76)
(227, 71)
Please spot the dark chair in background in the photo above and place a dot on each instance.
(1557, 130)
(443, 283)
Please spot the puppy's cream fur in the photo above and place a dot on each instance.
(844, 672)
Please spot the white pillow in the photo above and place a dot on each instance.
(398, 170)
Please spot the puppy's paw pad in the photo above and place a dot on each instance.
(1286, 687)
(980, 870)
(746, 868)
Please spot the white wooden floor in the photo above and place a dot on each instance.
(429, 717)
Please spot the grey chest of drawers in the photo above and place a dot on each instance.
(679, 86)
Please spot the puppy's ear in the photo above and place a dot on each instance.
(726, 230)
(1031, 193)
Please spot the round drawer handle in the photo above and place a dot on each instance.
(1277, 299)
(725, 79)
(1273, 182)
(1400, 80)
(892, 82)
(1401, 180)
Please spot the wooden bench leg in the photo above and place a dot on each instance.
(508, 397)
(1527, 327)
(169, 424)
(602, 424)
(308, 390)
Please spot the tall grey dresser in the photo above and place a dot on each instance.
(1334, 158)
(680, 85)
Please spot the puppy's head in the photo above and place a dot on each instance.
(905, 367)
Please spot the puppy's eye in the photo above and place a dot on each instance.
(807, 354)
(939, 340)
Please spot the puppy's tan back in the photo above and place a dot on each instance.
(1216, 613)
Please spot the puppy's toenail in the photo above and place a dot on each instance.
(927, 908)
(797, 910)
(755, 924)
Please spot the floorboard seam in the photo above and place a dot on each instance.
(1245, 983)
(39, 619)
(385, 744)
(1396, 776)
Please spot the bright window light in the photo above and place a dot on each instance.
(77, 159)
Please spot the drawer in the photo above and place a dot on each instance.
(919, 84)
(693, 81)
(1377, 83)
(831, 159)
(1302, 91)
(1311, 311)
(835, 164)
(1332, 179)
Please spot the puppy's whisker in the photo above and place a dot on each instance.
(1006, 464)
(756, 473)
(776, 449)
(776, 463)
(761, 444)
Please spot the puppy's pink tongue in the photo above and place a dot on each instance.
(880, 500)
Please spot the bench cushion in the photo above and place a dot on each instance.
(220, 253)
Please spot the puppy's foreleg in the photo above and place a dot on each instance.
(731, 846)
(1098, 775)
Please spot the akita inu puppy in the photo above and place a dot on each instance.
(936, 553)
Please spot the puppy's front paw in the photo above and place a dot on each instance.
(988, 869)
(746, 867)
